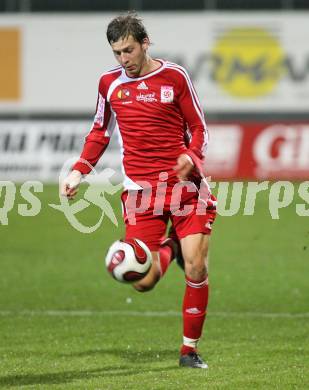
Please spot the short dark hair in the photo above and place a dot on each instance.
(124, 25)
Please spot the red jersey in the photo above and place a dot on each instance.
(152, 113)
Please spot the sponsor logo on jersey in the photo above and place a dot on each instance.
(167, 94)
(142, 85)
(146, 97)
(123, 94)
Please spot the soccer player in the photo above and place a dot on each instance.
(155, 107)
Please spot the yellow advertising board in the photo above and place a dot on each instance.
(10, 64)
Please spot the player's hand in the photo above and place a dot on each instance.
(69, 186)
(184, 167)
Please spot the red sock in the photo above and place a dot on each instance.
(166, 255)
(194, 313)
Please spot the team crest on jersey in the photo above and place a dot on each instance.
(123, 94)
(167, 94)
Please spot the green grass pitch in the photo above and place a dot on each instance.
(66, 324)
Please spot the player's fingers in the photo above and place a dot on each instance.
(186, 169)
(182, 175)
(178, 170)
(185, 172)
(63, 188)
(180, 165)
(183, 167)
(72, 191)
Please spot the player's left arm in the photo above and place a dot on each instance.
(193, 115)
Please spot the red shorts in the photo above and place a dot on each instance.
(147, 212)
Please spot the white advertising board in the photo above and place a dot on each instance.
(254, 62)
(38, 150)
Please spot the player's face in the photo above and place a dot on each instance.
(131, 54)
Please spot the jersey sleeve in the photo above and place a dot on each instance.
(98, 138)
(193, 115)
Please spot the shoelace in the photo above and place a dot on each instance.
(197, 358)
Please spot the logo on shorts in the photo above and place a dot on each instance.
(208, 225)
(167, 94)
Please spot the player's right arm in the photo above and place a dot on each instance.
(95, 144)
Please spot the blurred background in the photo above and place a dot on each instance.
(249, 63)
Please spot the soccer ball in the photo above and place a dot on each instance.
(128, 260)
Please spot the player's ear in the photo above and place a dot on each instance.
(146, 43)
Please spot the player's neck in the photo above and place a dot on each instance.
(149, 66)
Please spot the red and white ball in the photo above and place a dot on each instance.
(128, 260)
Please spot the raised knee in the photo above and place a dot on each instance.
(149, 281)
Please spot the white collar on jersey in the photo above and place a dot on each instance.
(125, 77)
